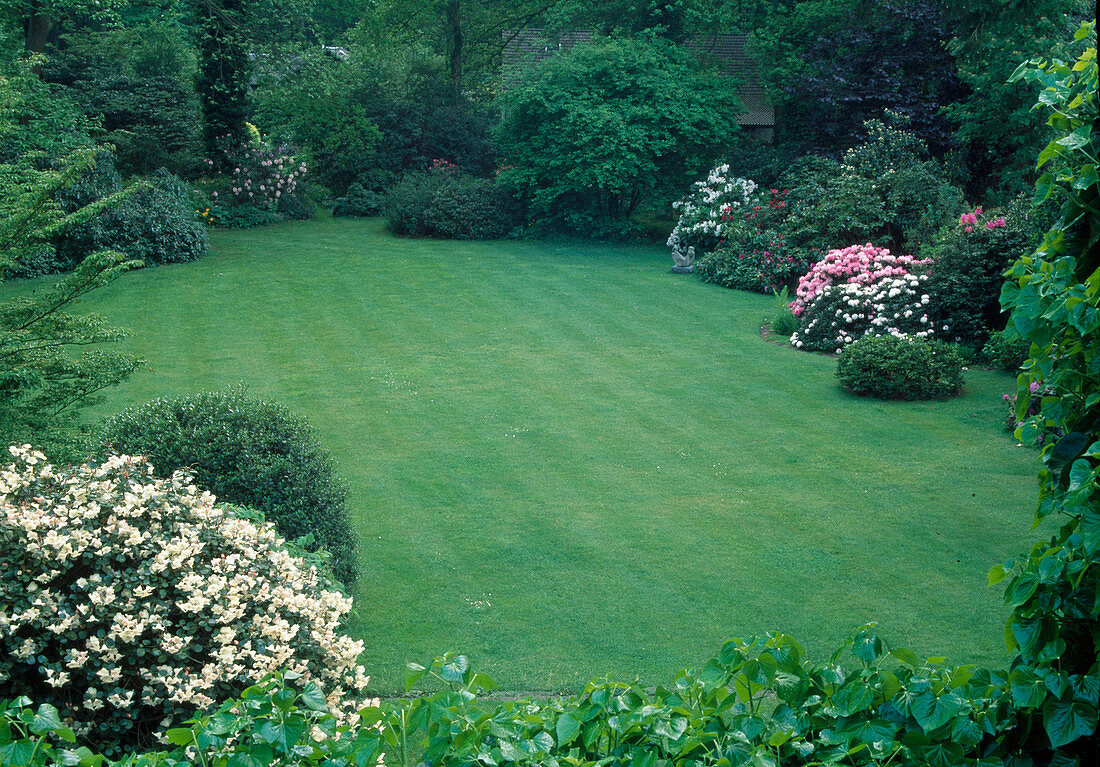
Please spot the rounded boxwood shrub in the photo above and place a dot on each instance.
(129, 602)
(249, 452)
(448, 204)
(359, 201)
(900, 367)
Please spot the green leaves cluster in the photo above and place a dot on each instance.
(1054, 295)
(36, 737)
(600, 128)
(42, 385)
(759, 702)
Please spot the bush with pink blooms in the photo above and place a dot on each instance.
(858, 264)
(261, 184)
(262, 175)
(971, 256)
(847, 311)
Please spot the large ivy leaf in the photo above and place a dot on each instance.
(313, 697)
(869, 731)
(852, 698)
(566, 729)
(413, 672)
(455, 670)
(934, 711)
(45, 719)
(1028, 688)
(282, 736)
(17, 754)
(1067, 720)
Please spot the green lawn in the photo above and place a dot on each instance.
(566, 461)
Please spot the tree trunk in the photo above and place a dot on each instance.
(454, 42)
(38, 26)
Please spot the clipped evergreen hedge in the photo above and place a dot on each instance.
(246, 451)
(892, 367)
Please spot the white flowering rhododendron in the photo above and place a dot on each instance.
(130, 602)
(860, 264)
(845, 312)
(709, 211)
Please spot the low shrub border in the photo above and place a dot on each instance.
(900, 367)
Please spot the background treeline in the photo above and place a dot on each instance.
(406, 96)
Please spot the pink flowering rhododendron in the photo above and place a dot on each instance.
(848, 311)
(261, 174)
(858, 264)
(970, 220)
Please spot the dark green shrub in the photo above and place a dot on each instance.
(359, 201)
(887, 191)
(249, 452)
(374, 116)
(889, 367)
(246, 216)
(760, 261)
(448, 204)
(295, 207)
(153, 122)
(405, 203)
(1003, 354)
(597, 130)
(157, 225)
(971, 257)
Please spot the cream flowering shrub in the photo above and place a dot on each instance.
(130, 602)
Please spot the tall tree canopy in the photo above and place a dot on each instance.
(834, 65)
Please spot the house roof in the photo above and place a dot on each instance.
(526, 47)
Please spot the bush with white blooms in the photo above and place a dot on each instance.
(130, 602)
(843, 313)
(710, 212)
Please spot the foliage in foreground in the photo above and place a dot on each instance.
(249, 452)
(129, 602)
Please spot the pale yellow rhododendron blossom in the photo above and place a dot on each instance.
(126, 596)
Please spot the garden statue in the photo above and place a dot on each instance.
(683, 260)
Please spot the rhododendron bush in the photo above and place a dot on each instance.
(130, 602)
(971, 257)
(846, 312)
(711, 211)
(858, 264)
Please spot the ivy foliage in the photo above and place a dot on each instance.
(1054, 296)
(224, 71)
